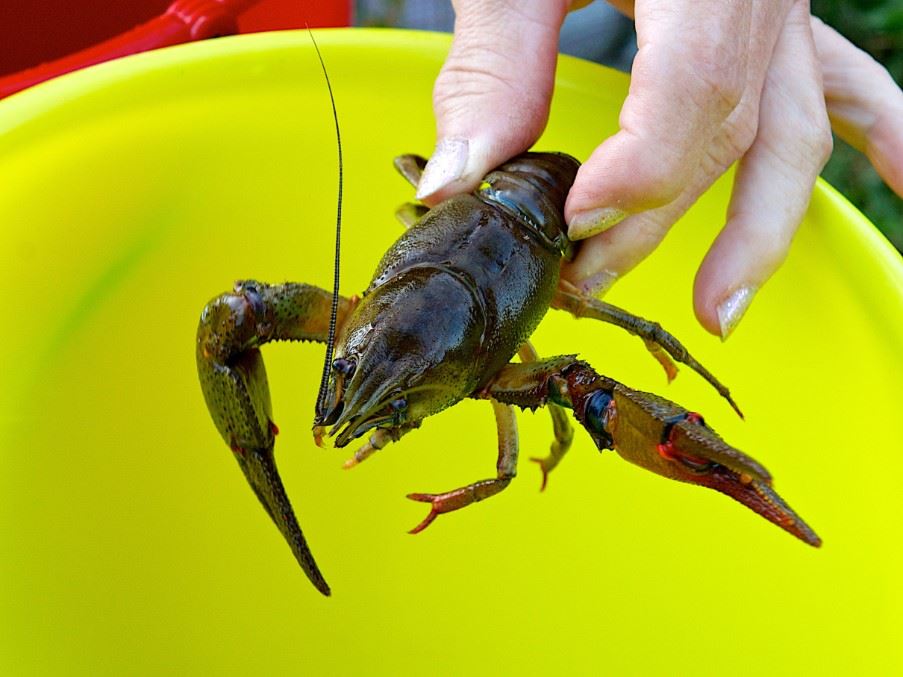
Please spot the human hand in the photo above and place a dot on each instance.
(713, 83)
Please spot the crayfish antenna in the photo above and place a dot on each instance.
(330, 342)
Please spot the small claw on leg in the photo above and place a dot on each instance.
(663, 359)
(564, 436)
(545, 471)
(434, 513)
(506, 467)
(458, 498)
(425, 523)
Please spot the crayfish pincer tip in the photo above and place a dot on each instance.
(310, 568)
(807, 535)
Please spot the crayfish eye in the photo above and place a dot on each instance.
(344, 367)
(398, 407)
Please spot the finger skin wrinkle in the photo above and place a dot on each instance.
(719, 73)
(545, 21)
(479, 78)
(503, 59)
(516, 26)
(497, 81)
(802, 157)
(801, 141)
(718, 157)
(521, 114)
(661, 166)
(708, 62)
(672, 103)
(796, 129)
(670, 146)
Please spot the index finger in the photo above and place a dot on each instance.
(689, 76)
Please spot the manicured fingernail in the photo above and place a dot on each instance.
(446, 165)
(597, 285)
(586, 224)
(731, 309)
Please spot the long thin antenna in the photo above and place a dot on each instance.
(330, 343)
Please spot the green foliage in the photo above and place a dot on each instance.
(877, 27)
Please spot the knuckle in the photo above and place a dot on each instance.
(663, 179)
(824, 144)
(742, 132)
(813, 128)
(719, 82)
(481, 99)
(816, 143)
(483, 84)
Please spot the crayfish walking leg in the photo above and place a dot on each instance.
(663, 346)
(563, 433)
(506, 468)
(649, 431)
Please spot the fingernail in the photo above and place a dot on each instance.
(586, 224)
(732, 309)
(597, 285)
(446, 165)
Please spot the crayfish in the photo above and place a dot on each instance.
(451, 303)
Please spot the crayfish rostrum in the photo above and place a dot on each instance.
(451, 303)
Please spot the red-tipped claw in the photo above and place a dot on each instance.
(457, 499)
(689, 451)
(434, 512)
(665, 438)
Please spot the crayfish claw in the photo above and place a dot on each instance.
(434, 512)
(684, 448)
(663, 359)
(425, 523)
(545, 471)
(458, 498)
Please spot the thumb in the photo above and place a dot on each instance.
(491, 98)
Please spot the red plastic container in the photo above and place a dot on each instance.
(43, 40)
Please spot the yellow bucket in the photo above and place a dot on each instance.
(134, 191)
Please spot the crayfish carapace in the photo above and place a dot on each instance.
(451, 303)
